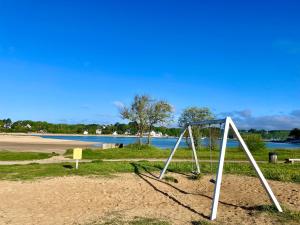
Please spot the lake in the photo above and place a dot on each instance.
(158, 142)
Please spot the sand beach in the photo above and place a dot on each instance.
(25, 143)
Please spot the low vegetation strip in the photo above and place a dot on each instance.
(20, 156)
(135, 221)
(150, 152)
(279, 172)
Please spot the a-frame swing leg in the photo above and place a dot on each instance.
(257, 169)
(195, 158)
(171, 155)
(229, 123)
(219, 173)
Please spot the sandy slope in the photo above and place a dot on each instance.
(78, 200)
(35, 143)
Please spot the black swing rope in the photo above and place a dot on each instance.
(212, 180)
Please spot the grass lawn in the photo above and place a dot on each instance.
(280, 172)
(17, 156)
(287, 217)
(148, 152)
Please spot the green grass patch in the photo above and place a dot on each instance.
(151, 152)
(280, 172)
(286, 217)
(136, 221)
(17, 156)
(203, 222)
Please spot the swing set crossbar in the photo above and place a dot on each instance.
(207, 122)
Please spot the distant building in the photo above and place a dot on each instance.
(126, 133)
(85, 132)
(7, 126)
(98, 131)
(28, 126)
(154, 134)
(115, 133)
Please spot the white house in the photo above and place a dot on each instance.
(99, 131)
(85, 132)
(154, 134)
(115, 133)
(159, 134)
(7, 126)
(28, 126)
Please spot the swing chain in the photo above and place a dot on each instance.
(210, 147)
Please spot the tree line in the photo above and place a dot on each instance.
(145, 115)
(21, 126)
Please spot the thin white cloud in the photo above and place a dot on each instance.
(296, 113)
(245, 120)
(118, 104)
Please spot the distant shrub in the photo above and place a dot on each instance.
(254, 142)
(137, 146)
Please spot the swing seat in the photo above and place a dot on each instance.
(212, 181)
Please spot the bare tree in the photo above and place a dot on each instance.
(159, 113)
(137, 112)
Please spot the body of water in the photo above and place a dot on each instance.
(158, 142)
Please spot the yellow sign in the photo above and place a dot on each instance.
(77, 153)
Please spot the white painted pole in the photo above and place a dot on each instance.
(254, 164)
(194, 149)
(77, 164)
(171, 155)
(215, 203)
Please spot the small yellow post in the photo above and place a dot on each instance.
(77, 155)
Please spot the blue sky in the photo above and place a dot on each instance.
(74, 61)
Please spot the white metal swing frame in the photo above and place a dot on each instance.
(227, 124)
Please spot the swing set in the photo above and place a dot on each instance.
(227, 123)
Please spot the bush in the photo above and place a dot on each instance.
(254, 142)
(140, 147)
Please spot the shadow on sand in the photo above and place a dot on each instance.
(147, 176)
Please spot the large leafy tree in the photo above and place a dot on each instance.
(146, 113)
(195, 114)
(158, 113)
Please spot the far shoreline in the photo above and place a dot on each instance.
(81, 135)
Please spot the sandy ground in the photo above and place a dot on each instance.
(80, 200)
(25, 143)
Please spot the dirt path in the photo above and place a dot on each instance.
(53, 159)
(79, 200)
